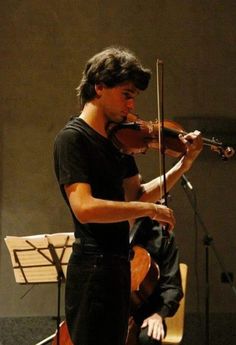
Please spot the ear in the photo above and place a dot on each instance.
(99, 88)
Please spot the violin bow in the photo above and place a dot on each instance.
(160, 117)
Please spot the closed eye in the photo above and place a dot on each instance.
(128, 95)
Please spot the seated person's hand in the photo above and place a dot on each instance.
(155, 326)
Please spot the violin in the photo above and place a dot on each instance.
(136, 136)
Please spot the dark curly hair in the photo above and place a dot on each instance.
(112, 66)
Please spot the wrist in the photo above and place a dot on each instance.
(185, 164)
(153, 211)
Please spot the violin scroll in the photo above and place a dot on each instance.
(224, 151)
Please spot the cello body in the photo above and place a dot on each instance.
(64, 336)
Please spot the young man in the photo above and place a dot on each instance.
(103, 191)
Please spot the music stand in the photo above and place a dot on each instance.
(41, 259)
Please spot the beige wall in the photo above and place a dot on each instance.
(44, 45)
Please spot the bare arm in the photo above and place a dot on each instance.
(88, 209)
(151, 191)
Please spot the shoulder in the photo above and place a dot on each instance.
(71, 132)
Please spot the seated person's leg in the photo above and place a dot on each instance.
(144, 339)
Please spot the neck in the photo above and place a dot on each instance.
(94, 117)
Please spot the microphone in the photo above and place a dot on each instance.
(185, 182)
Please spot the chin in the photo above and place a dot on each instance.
(118, 120)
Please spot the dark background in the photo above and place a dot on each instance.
(44, 46)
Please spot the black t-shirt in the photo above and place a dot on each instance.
(83, 155)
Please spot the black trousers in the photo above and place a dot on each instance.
(97, 298)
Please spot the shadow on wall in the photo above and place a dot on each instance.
(217, 129)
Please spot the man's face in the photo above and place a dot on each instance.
(118, 101)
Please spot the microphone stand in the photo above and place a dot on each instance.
(208, 242)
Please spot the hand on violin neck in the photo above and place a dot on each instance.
(194, 145)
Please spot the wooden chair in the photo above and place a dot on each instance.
(175, 324)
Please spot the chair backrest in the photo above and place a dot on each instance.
(175, 324)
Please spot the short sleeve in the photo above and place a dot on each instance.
(71, 157)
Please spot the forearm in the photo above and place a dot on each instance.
(106, 211)
(88, 209)
(153, 190)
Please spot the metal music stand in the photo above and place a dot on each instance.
(41, 259)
